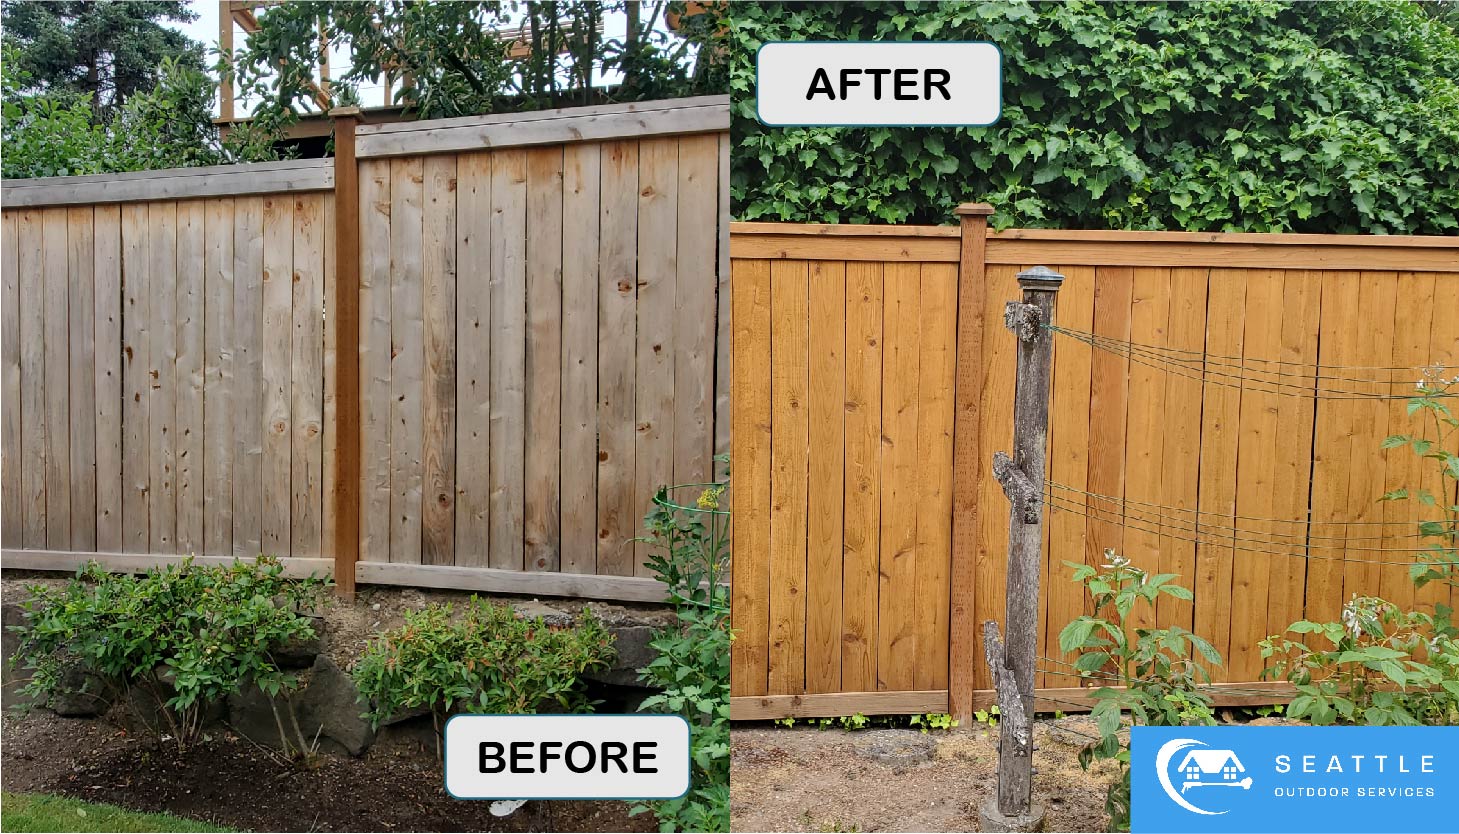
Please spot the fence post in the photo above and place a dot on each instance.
(344, 310)
(1022, 477)
(972, 292)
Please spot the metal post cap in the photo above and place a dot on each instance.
(1040, 278)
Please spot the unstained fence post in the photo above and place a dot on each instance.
(343, 305)
(1011, 660)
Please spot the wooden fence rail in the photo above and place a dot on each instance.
(528, 306)
(869, 538)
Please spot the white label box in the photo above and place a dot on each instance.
(893, 83)
(567, 756)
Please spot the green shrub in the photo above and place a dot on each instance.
(184, 636)
(1161, 680)
(1434, 444)
(692, 558)
(1260, 116)
(486, 660)
(1381, 665)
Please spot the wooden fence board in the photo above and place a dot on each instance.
(274, 373)
(543, 465)
(901, 363)
(694, 305)
(658, 205)
(81, 328)
(826, 413)
(407, 359)
(789, 354)
(1146, 417)
(306, 405)
(248, 416)
(579, 444)
(1179, 480)
(473, 356)
(438, 457)
(1413, 315)
(750, 597)
(1377, 301)
(57, 391)
(508, 288)
(861, 538)
(219, 350)
(617, 275)
(1330, 451)
(11, 504)
(934, 473)
(188, 376)
(136, 379)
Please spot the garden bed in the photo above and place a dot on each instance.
(230, 782)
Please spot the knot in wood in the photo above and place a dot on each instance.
(1023, 319)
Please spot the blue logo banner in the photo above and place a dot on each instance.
(1294, 779)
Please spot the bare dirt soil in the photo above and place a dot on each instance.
(396, 786)
(805, 779)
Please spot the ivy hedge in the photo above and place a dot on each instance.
(1258, 116)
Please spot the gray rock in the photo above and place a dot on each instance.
(82, 694)
(146, 706)
(326, 707)
(634, 653)
(300, 654)
(532, 609)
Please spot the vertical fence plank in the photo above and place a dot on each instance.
(826, 412)
(617, 279)
(541, 533)
(997, 380)
(306, 395)
(248, 416)
(1220, 419)
(508, 287)
(1286, 576)
(1180, 457)
(188, 430)
(438, 458)
(694, 317)
(861, 541)
(57, 387)
(407, 178)
(11, 504)
(375, 425)
(658, 205)
(1377, 301)
(1330, 450)
(1108, 412)
(80, 269)
(1068, 462)
(579, 443)
(1144, 450)
(473, 358)
(749, 604)
(1444, 351)
(789, 475)
(31, 265)
(723, 349)
(136, 377)
(341, 487)
(1413, 315)
(901, 363)
(219, 398)
(936, 374)
(275, 373)
(162, 400)
(1258, 448)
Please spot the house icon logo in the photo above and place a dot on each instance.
(1200, 767)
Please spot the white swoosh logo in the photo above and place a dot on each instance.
(1162, 769)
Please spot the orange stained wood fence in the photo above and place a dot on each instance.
(874, 380)
(535, 308)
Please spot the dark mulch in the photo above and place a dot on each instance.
(228, 781)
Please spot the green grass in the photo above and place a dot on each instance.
(38, 812)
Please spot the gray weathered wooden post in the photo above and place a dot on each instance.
(1022, 477)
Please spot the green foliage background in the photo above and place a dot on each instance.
(1236, 116)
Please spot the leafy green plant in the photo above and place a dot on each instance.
(184, 636)
(691, 557)
(1435, 446)
(1379, 665)
(933, 721)
(485, 659)
(1261, 116)
(1160, 680)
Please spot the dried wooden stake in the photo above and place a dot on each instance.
(1022, 477)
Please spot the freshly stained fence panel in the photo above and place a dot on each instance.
(542, 335)
(1190, 429)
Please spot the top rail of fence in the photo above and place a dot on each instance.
(1022, 247)
(288, 176)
